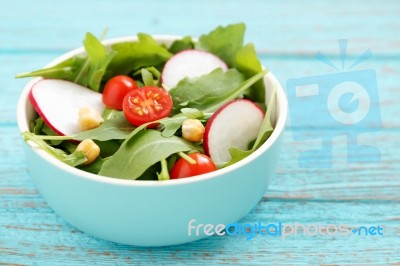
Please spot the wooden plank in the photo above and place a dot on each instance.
(44, 238)
(276, 27)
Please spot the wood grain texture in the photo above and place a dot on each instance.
(284, 27)
(287, 35)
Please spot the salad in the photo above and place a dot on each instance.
(142, 110)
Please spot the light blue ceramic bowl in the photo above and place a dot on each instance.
(152, 213)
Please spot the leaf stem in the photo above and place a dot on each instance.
(234, 94)
(43, 71)
(73, 159)
(82, 70)
(164, 174)
(186, 157)
(47, 137)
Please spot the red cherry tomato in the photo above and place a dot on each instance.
(116, 89)
(182, 168)
(146, 104)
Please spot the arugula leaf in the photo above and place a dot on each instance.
(210, 101)
(37, 126)
(73, 159)
(131, 56)
(67, 70)
(142, 151)
(116, 127)
(146, 73)
(86, 70)
(109, 113)
(214, 104)
(172, 125)
(154, 71)
(193, 92)
(264, 133)
(193, 113)
(227, 43)
(246, 62)
(183, 44)
(98, 60)
(147, 77)
(223, 42)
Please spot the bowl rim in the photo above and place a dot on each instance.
(23, 125)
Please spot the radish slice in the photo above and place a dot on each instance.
(191, 64)
(58, 102)
(235, 124)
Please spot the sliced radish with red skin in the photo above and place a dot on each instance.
(235, 124)
(58, 102)
(189, 63)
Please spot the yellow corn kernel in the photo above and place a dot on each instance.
(90, 149)
(192, 130)
(89, 118)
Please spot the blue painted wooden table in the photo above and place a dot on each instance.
(287, 35)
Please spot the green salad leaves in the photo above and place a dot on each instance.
(140, 153)
(86, 70)
(99, 65)
(131, 56)
(73, 159)
(224, 42)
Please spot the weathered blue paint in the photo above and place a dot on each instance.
(288, 34)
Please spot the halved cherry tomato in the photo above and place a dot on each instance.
(182, 168)
(146, 104)
(116, 89)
